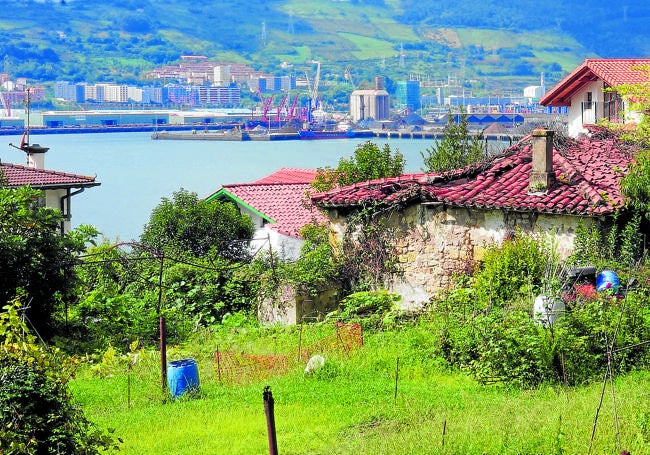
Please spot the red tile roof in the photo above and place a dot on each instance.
(289, 175)
(280, 198)
(612, 71)
(18, 175)
(588, 172)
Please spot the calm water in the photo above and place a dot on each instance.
(136, 172)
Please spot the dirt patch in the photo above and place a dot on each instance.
(444, 36)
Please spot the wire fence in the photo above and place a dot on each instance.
(241, 367)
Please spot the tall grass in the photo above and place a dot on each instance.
(356, 404)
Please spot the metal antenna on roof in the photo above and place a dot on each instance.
(27, 104)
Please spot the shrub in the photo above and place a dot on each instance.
(515, 269)
(506, 345)
(100, 320)
(514, 350)
(594, 326)
(369, 308)
(37, 415)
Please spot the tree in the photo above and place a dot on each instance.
(638, 97)
(636, 184)
(34, 257)
(457, 149)
(369, 162)
(187, 224)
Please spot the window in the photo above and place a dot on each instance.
(612, 106)
(588, 109)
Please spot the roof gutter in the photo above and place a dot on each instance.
(66, 213)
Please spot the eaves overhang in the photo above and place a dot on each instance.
(225, 195)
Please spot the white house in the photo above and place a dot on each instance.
(583, 92)
(278, 206)
(58, 187)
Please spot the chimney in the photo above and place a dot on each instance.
(35, 152)
(542, 175)
(36, 156)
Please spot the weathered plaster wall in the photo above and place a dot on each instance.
(434, 241)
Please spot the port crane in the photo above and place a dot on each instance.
(292, 109)
(350, 77)
(313, 89)
(280, 107)
(266, 105)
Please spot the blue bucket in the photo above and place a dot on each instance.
(607, 279)
(182, 375)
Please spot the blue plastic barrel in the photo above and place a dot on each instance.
(182, 375)
(607, 279)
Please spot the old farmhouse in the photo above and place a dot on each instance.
(445, 222)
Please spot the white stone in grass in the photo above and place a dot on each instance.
(314, 364)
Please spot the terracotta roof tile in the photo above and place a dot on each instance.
(588, 173)
(280, 198)
(289, 175)
(619, 71)
(18, 175)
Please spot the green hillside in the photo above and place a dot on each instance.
(492, 44)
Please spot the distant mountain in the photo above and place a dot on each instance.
(486, 45)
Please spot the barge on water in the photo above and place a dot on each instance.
(227, 135)
(252, 135)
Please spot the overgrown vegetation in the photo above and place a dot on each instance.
(35, 258)
(368, 163)
(37, 413)
(192, 266)
(487, 325)
(459, 147)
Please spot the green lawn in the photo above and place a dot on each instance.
(350, 405)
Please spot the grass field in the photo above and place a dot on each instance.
(356, 403)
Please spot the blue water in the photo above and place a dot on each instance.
(136, 172)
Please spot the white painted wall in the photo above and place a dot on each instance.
(577, 118)
(575, 114)
(53, 200)
(285, 246)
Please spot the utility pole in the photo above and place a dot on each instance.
(263, 34)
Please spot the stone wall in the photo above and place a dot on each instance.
(433, 241)
(291, 306)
